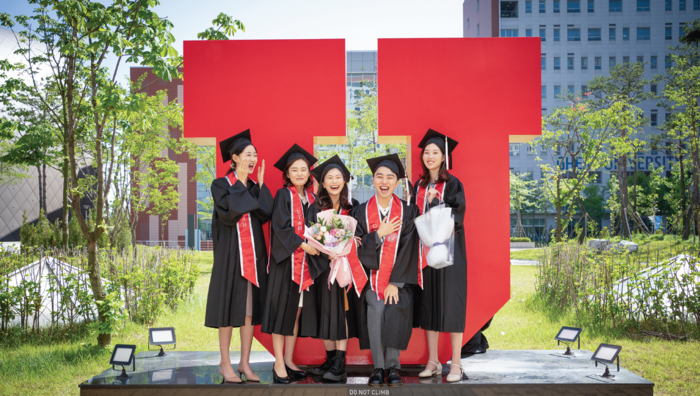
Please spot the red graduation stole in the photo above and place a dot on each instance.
(300, 270)
(359, 277)
(379, 279)
(246, 242)
(422, 203)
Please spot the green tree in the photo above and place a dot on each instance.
(522, 195)
(623, 89)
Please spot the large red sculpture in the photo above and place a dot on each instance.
(478, 91)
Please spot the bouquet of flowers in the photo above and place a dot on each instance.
(333, 234)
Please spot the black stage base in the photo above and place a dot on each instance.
(494, 373)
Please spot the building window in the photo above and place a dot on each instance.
(544, 92)
(612, 62)
(598, 63)
(514, 149)
(477, 5)
(584, 89)
(528, 7)
(528, 32)
(625, 34)
(654, 118)
(654, 62)
(573, 35)
(584, 63)
(543, 34)
(681, 5)
(642, 5)
(615, 6)
(668, 5)
(668, 33)
(696, 5)
(555, 5)
(570, 90)
(625, 59)
(542, 9)
(573, 6)
(570, 63)
(643, 33)
(477, 30)
(556, 34)
(509, 9)
(557, 65)
(652, 89)
(557, 91)
(509, 32)
(668, 61)
(543, 63)
(591, 5)
(640, 59)
(611, 34)
(593, 34)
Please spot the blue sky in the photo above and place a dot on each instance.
(360, 22)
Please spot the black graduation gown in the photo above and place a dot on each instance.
(442, 304)
(398, 318)
(282, 300)
(228, 289)
(330, 302)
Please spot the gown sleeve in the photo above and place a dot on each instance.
(320, 263)
(232, 202)
(266, 202)
(284, 241)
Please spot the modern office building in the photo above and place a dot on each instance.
(582, 39)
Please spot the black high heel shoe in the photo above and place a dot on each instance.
(295, 375)
(280, 380)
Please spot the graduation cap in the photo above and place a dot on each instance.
(238, 141)
(447, 143)
(293, 154)
(333, 162)
(391, 161)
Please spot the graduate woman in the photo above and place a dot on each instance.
(238, 282)
(288, 297)
(442, 305)
(332, 177)
(389, 251)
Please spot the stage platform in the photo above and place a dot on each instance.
(494, 373)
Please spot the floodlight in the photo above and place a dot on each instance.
(161, 336)
(607, 354)
(569, 335)
(123, 355)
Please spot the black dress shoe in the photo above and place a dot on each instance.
(394, 379)
(337, 372)
(295, 375)
(279, 380)
(320, 370)
(377, 378)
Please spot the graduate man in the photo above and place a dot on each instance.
(389, 253)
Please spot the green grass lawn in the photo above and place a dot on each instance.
(55, 366)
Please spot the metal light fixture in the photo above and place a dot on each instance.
(161, 336)
(569, 335)
(123, 355)
(607, 354)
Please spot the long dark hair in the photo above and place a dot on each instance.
(288, 183)
(323, 199)
(442, 172)
(237, 151)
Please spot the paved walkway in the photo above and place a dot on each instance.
(524, 262)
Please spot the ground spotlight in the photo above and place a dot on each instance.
(607, 354)
(123, 355)
(161, 336)
(569, 335)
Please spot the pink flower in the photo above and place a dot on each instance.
(332, 232)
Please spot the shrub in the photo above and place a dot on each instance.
(658, 232)
(605, 233)
(520, 239)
